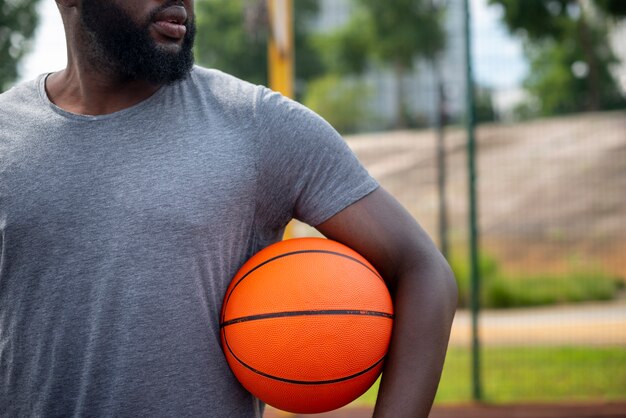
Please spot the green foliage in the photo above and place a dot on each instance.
(342, 104)
(404, 29)
(552, 76)
(488, 267)
(18, 20)
(540, 19)
(346, 50)
(483, 105)
(569, 53)
(615, 8)
(223, 42)
(536, 18)
(232, 37)
(508, 292)
(501, 290)
(393, 34)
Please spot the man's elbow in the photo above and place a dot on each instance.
(449, 286)
(433, 282)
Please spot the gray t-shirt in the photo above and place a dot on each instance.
(121, 232)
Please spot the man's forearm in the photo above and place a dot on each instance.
(425, 302)
(424, 292)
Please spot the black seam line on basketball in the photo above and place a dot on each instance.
(294, 253)
(305, 313)
(302, 382)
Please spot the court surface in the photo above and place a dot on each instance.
(591, 410)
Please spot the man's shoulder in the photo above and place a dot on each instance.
(212, 75)
(219, 91)
(224, 87)
(19, 95)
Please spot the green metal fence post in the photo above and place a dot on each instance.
(473, 224)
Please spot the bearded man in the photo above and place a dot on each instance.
(133, 185)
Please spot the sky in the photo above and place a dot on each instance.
(498, 58)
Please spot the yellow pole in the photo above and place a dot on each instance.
(281, 56)
(280, 46)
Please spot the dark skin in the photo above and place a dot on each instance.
(85, 89)
(377, 226)
(424, 294)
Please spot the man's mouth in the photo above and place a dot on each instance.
(170, 22)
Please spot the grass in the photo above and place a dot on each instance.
(533, 374)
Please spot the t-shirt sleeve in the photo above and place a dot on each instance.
(306, 169)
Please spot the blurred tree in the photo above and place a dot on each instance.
(559, 76)
(484, 108)
(392, 33)
(615, 8)
(232, 37)
(568, 47)
(18, 20)
(342, 103)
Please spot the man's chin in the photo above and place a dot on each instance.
(169, 48)
(166, 43)
(157, 52)
(164, 61)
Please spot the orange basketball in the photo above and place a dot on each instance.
(306, 325)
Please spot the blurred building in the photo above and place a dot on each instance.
(421, 84)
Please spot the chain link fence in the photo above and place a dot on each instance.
(551, 205)
(551, 190)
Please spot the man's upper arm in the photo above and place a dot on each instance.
(424, 294)
(381, 230)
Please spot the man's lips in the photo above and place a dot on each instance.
(170, 22)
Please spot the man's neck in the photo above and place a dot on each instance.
(87, 92)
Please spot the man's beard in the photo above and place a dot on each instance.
(120, 47)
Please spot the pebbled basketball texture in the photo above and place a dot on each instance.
(306, 324)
